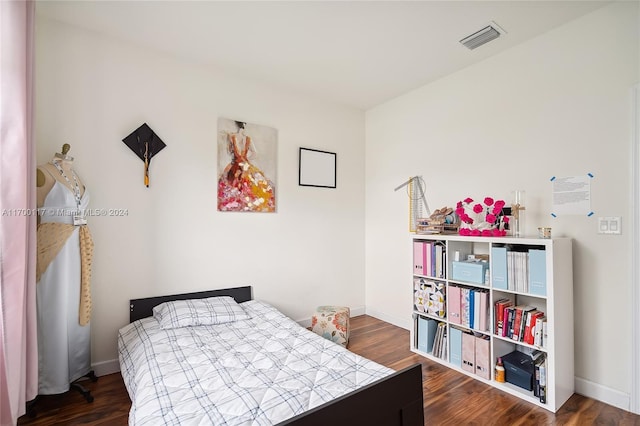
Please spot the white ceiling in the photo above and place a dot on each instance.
(358, 53)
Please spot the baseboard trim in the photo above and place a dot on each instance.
(402, 323)
(103, 368)
(602, 393)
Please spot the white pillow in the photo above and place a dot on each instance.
(186, 313)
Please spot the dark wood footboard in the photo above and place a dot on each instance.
(395, 400)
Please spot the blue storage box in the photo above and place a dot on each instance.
(469, 271)
(426, 334)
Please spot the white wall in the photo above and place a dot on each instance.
(558, 105)
(92, 91)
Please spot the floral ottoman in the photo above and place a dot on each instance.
(332, 323)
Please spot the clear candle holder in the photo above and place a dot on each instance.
(518, 212)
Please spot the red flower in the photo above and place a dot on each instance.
(340, 321)
(486, 232)
(465, 232)
(475, 233)
(468, 200)
(477, 208)
(499, 204)
(488, 201)
(460, 210)
(505, 219)
(491, 218)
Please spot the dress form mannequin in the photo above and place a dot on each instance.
(63, 275)
(45, 181)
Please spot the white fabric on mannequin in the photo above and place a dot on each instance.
(64, 346)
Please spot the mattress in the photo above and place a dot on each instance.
(259, 371)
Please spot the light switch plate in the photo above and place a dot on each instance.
(609, 225)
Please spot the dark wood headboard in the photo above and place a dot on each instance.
(142, 308)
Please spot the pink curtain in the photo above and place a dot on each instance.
(18, 350)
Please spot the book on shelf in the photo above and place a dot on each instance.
(516, 331)
(509, 314)
(542, 390)
(437, 340)
(440, 261)
(537, 364)
(464, 306)
(483, 310)
(529, 333)
(499, 310)
(538, 332)
(428, 255)
(518, 271)
(439, 346)
(444, 351)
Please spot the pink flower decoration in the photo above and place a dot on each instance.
(481, 219)
(505, 219)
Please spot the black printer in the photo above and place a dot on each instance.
(519, 369)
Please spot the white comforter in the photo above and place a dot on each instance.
(254, 372)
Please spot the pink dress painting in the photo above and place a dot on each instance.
(243, 186)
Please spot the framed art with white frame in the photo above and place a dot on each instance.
(317, 168)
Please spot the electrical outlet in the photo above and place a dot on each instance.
(609, 225)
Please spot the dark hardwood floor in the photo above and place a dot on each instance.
(450, 398)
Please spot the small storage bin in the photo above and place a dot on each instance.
(469, 271)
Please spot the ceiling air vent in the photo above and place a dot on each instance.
(485, 35)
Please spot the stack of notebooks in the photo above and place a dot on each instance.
(429, 258)
(520, 271)
(469, 307)
(522, 323)
(432, 337)
(540, 377)
(440, 342)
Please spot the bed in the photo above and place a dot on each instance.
(261, 370)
